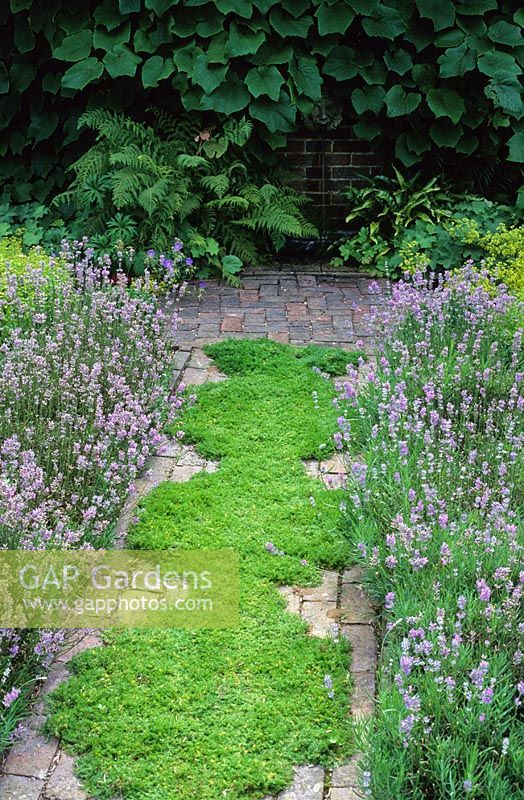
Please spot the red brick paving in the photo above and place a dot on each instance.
(283, 306)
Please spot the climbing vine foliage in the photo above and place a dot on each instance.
(431, 75)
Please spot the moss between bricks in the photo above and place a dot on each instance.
(208, 715)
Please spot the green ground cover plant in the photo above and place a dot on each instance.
(226, 713)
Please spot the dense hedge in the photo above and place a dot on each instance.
(429, 75)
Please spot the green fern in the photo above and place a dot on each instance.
(177, 179)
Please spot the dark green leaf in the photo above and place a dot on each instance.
(404, 153)
(504, 33)
(106, 13)
(306, 76)
(82, 73)
(4, 79)
(516, 147)
(185, 57)
(398, 60)
(440, 12)
(340, 63)
(105, 40)
(369, 99)
(295, 7)
(400, 102)
(456, 61)
(121, 61)
(506, 93)
(366, 130)
(498, 63)
(24, 37)
(243, 41)
(276, 116)
(210, 27)
(208, 76)
(467, 145)
(288, 26)
(474, 7)
(271, 53)
(20, 5)
(446, 103)
(75, 47)
(444, 133)
(333, 18)
(155, 69)
(51, 83)
(228, 98)
(160, 6)
(129, 6)
(42, 126)
(376, 73)
(142, 43)
(384, 22)
(243, 8)
(264, 80)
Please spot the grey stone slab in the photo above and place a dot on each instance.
(356, 605)
(363, 695)
(308, 784)
(363, 647)
(15, 787)
(347, 775)
(63, 783)
(33, 755)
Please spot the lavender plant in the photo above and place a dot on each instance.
(435, 514)
(84, 395)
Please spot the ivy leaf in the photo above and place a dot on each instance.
(498, 63)
(82, 73)
(440, 12)
(384, 22)
(155, 69)
(367, 130)
(467, 145)
(295, 7)
(4, 79)
(275, 116)
(446, 103)
(106, 13)
(287, 26)
(444, 133)
(24, 36)
(105, 40)
(209, 77)
(129, 6)
(369, 99)
(506, 93)
(185, 56)
(120, 60)
(398, 61)
(75, 47)
(160, 6)
(456, 61)
(229, 98)
(42, 126)
(404, 153)
(400, 102)
(243, 41)
(264, 80)
(505, 33)
(243, 8)
(340, 63)
(516, 147)
(334, 18)
(474, 7)
(306, 76)
(270, 53)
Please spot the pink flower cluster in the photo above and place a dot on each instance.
(435, 513)
(85, 394)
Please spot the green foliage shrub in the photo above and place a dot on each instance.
(433, 78)
(148, 186)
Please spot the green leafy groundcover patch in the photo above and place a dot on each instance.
(207, 715)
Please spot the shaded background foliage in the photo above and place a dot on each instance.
(430, 78)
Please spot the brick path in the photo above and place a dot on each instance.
(287, 306)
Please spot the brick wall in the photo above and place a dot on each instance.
(326, 162)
